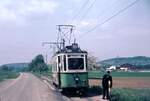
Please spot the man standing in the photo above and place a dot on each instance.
(106, 84)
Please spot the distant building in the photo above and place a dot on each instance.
(127, 67)
(123, 68)
(111, 68)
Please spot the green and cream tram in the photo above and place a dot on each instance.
(70, 68)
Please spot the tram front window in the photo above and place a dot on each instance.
(75, 63)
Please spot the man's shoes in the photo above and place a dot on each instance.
(107, 98)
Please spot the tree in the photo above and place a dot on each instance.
(38, 64)
(92, 63)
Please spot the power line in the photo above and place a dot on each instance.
(106, 8)
(110, 18)
(82, 7)
(86, 12)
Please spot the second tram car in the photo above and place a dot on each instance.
(70, 68)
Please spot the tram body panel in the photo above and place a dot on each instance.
(78, 79)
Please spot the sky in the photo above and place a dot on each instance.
(25, 24)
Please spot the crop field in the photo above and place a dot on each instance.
(125, 82)
(123, 79)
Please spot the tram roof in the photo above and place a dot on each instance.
(61, 52)
(71, 49)
(57, 53)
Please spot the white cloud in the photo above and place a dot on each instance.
(76, 1)
(5, 14)
(85, 24)
(39, 6)
(14, 9)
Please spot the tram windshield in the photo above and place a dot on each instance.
(75, 63)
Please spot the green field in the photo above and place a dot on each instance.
(8, 75)
(99, 74)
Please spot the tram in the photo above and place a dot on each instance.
(69, 68)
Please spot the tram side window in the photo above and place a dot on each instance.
(58, 59)
(64, 62)
(86, 61)
(75, 63)
(61, 63)
(58, 63)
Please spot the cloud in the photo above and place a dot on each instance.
(85, 24)
(11, 10)
(77, 1)
(5, 14)
(39, 6)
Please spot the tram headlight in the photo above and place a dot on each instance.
(77, 79)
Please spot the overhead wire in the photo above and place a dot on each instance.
(106, 8)
(110, 18)
(75, 16)
(87, 11)
(80, 10)
(102, 12)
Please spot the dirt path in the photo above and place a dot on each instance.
(27, 88)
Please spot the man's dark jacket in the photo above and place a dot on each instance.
(105, 81)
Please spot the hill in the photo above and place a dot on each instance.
(136, 61)
(15, 66)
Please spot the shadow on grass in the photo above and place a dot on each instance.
(89, 92)
(94, 91)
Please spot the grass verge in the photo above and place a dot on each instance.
(126, 94)
(47, 74)
(8, 75)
